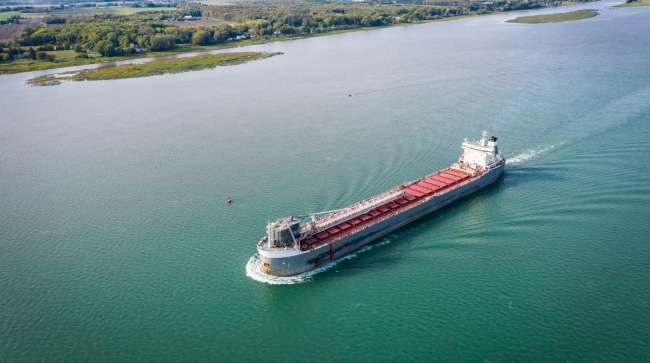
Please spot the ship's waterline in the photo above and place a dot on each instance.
(294, 245)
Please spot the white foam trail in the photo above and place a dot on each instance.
(529, 154)
(254, 271)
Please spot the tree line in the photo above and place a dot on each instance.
(124, 35)
(113, 35)
(12, 53)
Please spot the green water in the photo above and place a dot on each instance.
(116, 244)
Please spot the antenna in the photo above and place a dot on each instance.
(484, 136)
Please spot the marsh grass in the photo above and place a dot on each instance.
(555, 18)
(155, 67)
(631, 4)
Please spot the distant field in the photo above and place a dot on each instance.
(63, 55)
(555, 18)
(115, 10)
(207, 22)
(11, 31)
(8, 14)
(634, 4)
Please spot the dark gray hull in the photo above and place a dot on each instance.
(289, 263)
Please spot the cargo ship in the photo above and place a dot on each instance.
(297, 244)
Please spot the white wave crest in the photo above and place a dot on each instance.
(529, 154)
(254, 271)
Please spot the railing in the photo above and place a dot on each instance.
(357, 209)
(384, 217)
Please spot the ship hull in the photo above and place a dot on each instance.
(281, 263)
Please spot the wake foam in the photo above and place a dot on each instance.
(254, 270)
(529, 154)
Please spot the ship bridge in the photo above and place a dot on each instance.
(480, 154)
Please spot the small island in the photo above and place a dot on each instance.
(555, 18)
(155, 67)
(633, 3)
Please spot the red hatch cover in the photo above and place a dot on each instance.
(334, 230)
(427, 186)
(322, 235)
(451, 176)
(435, 182)
(458, 173)
(442, 180)
(420, 189)
(414, 193)
(443, 177)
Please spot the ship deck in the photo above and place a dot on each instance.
(437, 183)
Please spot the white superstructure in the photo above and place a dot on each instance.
(480, 154)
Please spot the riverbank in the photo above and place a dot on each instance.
(68, 58)
(155, 67)
(555, 18)
(631, 4)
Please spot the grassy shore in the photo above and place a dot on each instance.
(63, 58)
(155, 67)
(634, 4)
(40, 65)
(8, 14)
(555, 18)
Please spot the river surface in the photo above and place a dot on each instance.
(116, 243)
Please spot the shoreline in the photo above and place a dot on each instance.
(153, 68)
(556, 17)
(636, 4)
(189, 49)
